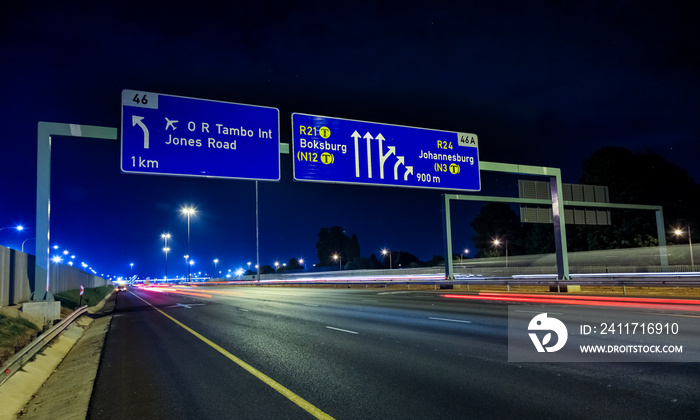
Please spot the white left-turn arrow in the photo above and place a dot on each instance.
(135, 119)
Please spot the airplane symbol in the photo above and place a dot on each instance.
(170, 123)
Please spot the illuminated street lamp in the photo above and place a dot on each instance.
(301, 262)
(337, 257)
(189, 211)
(385, 252)
(165, 237)
(18, 228)
(679, 232)
(277, 265)
(216, 261)
(466, 251)
(497, 242)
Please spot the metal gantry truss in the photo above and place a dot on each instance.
(562, 255)
(43, 209)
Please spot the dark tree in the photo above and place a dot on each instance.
(353, 248)
(539, 238)
(497, 221)
(293, 264)
(266, 269)
(335, 241)
(364, 263)
(330, 242)
(403, 259)
(436, 260)
(636, 178)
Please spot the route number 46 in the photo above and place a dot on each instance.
(140, 99)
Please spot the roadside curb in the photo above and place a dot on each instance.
(67, 392)
(34, 375)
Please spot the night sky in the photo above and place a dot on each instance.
(542, 83)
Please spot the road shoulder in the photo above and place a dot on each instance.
(58, 382)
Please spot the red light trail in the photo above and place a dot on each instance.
(621, 302)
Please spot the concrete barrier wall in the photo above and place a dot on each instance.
(64, 277)
(17, 277)
(15, 285)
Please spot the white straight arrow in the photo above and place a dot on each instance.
(396, 167)
(135, 119)
(409, 170)
(356, 136)
(369, 155)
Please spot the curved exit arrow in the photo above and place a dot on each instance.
(135, 119)
(399, 161)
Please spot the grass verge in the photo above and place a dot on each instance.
(91, 297)
(14, 333)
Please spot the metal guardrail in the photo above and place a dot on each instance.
(675, 279)
(27, 353)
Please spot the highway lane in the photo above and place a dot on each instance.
(355, 354)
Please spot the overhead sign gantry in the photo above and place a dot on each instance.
(336, 150)
(174, 135)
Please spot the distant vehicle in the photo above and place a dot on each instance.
(120, 288)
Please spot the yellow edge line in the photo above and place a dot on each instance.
(313, 410)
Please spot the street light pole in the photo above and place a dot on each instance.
(19, 228)
(340, 263)
(466, 251)
(385, 252)
(679, 232)
(690, 243)
(187, 266)
(189, 211)
(497, 242)
(165, 237)
(506, 253)
(26, 241)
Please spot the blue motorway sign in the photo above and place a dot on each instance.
(336, 150)
(173, 135)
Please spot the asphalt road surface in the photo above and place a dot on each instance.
(265, 353)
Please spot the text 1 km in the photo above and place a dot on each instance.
(139, 162)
